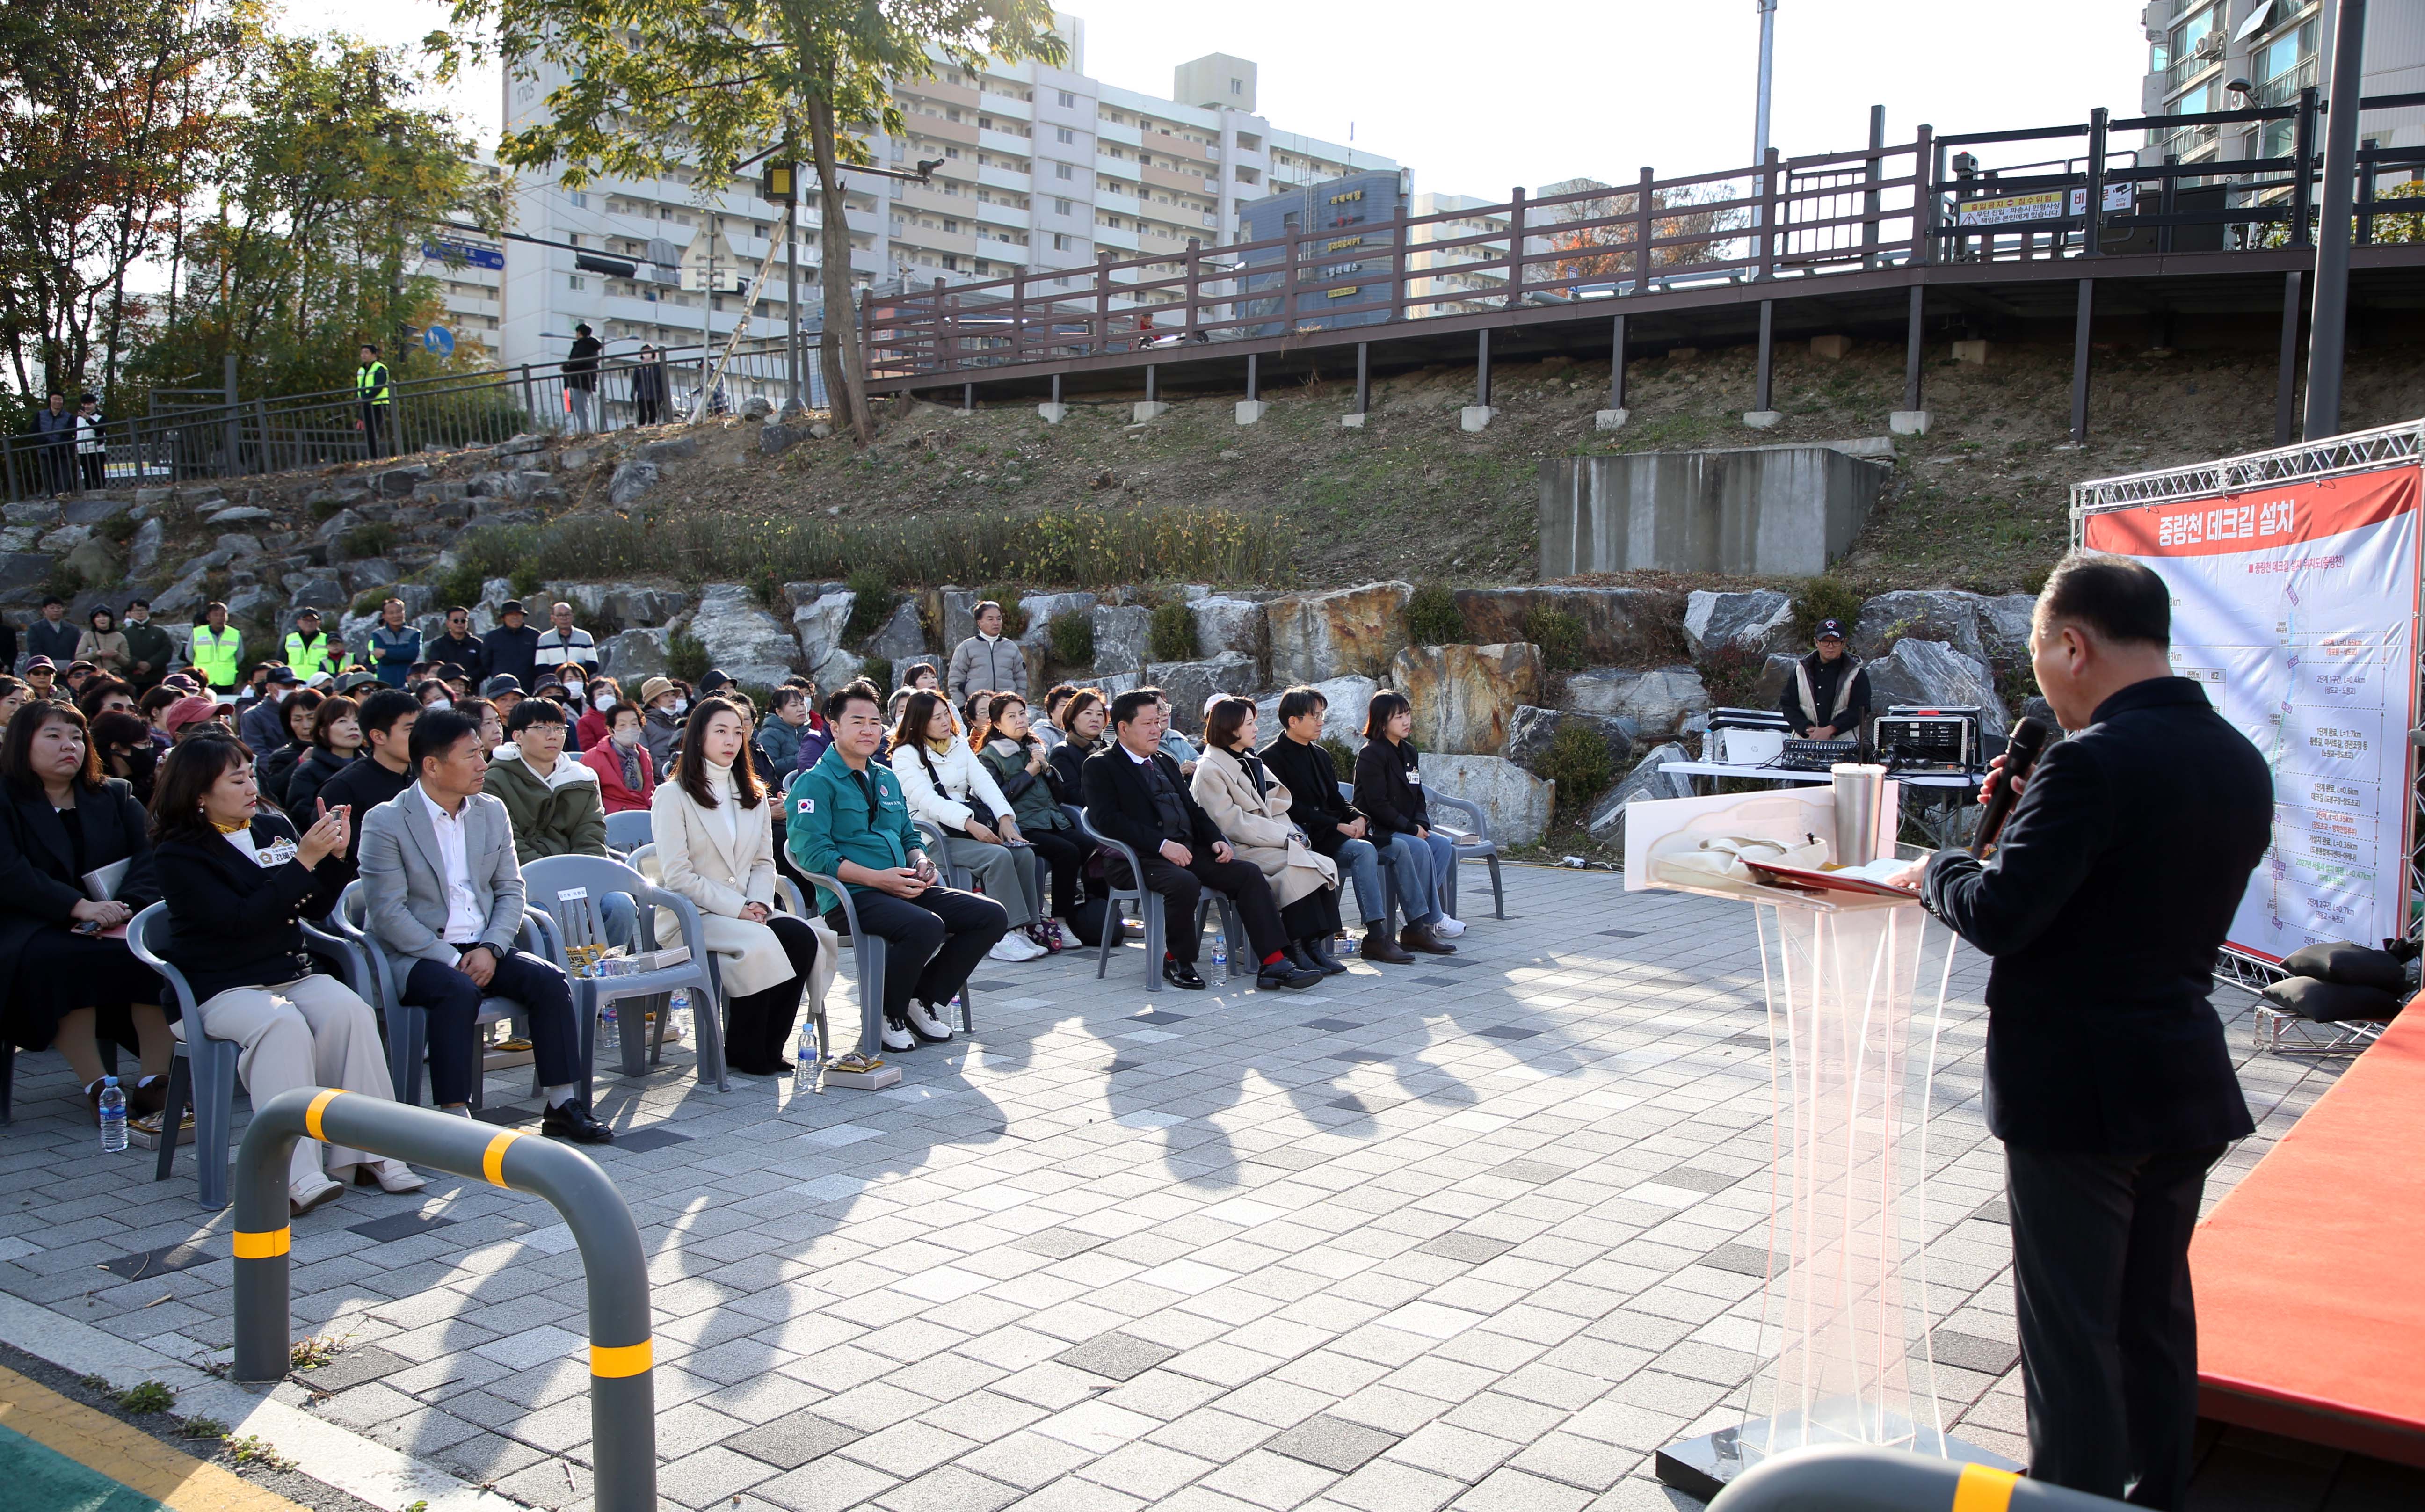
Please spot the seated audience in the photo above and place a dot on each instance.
(102, 694)
(42, 677)
(336, 740)
(127, 750)
(15, 694)
(1083, 718)
(1047, 728)
(432, 694)
(263, 723)
(1250, 807)
(1389, 790)
(554, 802)
(443, 890)
(716, 846)
(1135, 795)
(666, 709)
(590, 729)
(297, 714)
(239, 880)
(949, 789)
(920, 676)
(195, 715)
(386, 716)
(627, 777)
(780, 734)
(504, 690)
(1299, 759)
(61, 981)
(850, 821)
(1015, 759)
(492, 723)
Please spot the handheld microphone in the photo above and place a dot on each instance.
(2022, 748)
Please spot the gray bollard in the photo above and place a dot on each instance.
(623, 1394)
(1865, 1478)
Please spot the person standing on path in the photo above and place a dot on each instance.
(581, 376)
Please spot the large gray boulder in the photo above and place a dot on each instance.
(1228, 624)
(1188, 684)
(632, 481)
(1656, 703)
(1041, 608)
(1342, 716)
(1532, 731)
(820, 622)
(1995, 631)
(1752, 622)
(678, 449)
(1647, 780)
(836, 667)
(180, 597)
(603, 609)
(96, 511)
(1122, 634)
(903, 633)
(1316, 635)
(96, 560)
(320, 590)
(743, 640)
(635, 656)
(399, 482)
(959, 616)
(251, 601)
(1464, 696)
(143, 551)
(1932, 673)
(1515, 801)
(2004, 629)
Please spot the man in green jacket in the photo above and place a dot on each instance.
(848, 819)
(553, 800)
(149, 646)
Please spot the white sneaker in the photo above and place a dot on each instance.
(898, 1037)
(925, 1024)
(1447, 928)
(1014, 947)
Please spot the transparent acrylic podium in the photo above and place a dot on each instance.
(1844, 1352)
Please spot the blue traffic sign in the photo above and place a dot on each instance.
(439, 340)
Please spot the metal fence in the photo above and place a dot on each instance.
(1925, 201)
(194, 436)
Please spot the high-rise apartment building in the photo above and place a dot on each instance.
(1037, 168)
(2222, 55)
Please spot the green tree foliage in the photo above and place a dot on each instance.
(707, 86)
(115, 111)
(331, 177)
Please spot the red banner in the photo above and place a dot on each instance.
(2286, 515)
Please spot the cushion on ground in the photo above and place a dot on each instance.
(2347, 964)
(2331, 1001)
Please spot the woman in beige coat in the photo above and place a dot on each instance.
(715, 836)
(1251, 808)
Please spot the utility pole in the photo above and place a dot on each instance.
(2328, 333)
(1760, 113)
(791, 287)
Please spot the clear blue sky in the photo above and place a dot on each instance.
(1477, 99)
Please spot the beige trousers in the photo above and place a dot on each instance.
(309, 1032)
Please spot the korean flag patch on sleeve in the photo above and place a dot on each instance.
(806, 806)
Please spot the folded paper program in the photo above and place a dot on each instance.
(1688, 861)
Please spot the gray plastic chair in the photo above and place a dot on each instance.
(631, 829)
(204, 1066)
(1149, 907)
(955, 875)
(867, 951)
(1474, 845)
(546, 879)
(407, 1024)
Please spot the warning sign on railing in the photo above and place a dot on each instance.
(2054, 204)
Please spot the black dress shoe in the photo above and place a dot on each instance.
(571, 1119)
(1320, 959)
(1182, 973)
(1300, 953)
(1419, 938)
(1378, 946)
(1284, 973)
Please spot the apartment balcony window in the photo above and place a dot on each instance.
(1069, 101)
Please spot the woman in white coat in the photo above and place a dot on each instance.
(1250, 807)
(715, 832)
(945, 785)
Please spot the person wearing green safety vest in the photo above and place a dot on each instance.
(371, 391)
(307, 644)
(216, 649)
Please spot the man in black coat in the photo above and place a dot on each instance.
(512, 647)
(1827, 696)
(457, 646)
(1135, 796)
(1331, 825)
(2108, 1080)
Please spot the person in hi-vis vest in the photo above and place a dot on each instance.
(371, 392)
(217, 649)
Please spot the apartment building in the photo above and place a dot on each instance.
(1036, 169)
(1340, 214)
(2222, 55)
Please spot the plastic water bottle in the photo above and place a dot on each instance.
(804, 1061)
(1220, 960)
(609, 1035)
(113, 1115)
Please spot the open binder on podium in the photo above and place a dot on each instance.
(1844, 1326)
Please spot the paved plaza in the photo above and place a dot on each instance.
(1484, 1232)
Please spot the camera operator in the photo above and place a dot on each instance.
(2107, 1076)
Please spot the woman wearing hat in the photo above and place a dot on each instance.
(663, 707)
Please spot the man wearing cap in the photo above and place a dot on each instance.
(262, 726)
(149, 646)
(457, 646)
(1828, 695)
(307, 644)
(395, 646)
(192, 716)
(512, 648)
(217, 651)
(42, 677)
(504, 690)
(51, 635)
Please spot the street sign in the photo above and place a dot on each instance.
(439, 341)
(780, 183)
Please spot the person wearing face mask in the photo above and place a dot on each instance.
(663, 708)
(627, 774)
(590, 729)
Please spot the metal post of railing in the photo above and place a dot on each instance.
(1873, 167)
(622, 1395)
(1515, 253)
(2328, 330)
(2366, 197)
(946, 345)
(1363, 376)
(1928, 167)
(1767, 358)
(2167, 199)
(1288, 285)
(1912, 333)
(1768, 230)
(2092, 219)
(230, 461)
(2082, 316)
(2302, 176)
(1643, 232)
(530, 399)
(1253, 378)
(1103, 332)
(1195, 281)
(1152, 386)
(2286, 373)
(1616, 363)
(1481, 368)
(1019, 317)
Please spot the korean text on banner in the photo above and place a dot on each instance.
(2296, 608)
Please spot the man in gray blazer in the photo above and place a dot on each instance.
(444, 891)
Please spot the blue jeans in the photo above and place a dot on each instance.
(1426, 874)
(621, 920)
(1359, 861)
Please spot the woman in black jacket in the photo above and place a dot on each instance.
(274, 769)
(336, 740)
(1083, 716)
(62, 980)
(1389, 791)
(238, 880)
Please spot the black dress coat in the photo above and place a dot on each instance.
(1119, 804)
(2113, 887)
(39, 883)
(1390, 798)
(235, 923)
(1312, 781)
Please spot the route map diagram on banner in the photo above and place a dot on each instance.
(2295, 605)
